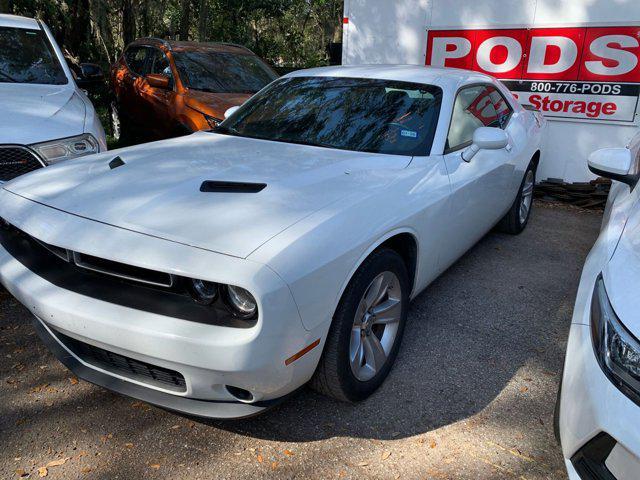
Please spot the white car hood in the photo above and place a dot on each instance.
(622, 275)
(157, 190)
(37, 113)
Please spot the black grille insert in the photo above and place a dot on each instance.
(117, 269)
(124, 366)
(16, 160)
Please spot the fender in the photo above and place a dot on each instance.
(370, 249)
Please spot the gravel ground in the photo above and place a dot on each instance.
(471, 395)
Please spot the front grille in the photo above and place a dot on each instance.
(16, 160)
(124, 366)
(128, 272)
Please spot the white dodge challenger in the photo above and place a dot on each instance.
(215, 274)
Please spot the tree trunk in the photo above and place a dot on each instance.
(203, 21)
(128, 22)
(185, 20)
(6, 6)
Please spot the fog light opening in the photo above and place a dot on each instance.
(240, 393)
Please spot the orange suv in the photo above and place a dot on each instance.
(170, 88)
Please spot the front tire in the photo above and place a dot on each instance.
(367, 329)
(518, 215)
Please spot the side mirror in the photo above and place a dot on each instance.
(158, 80)
(614, 163)
(89, 75)
(230, 111)
(486, 138)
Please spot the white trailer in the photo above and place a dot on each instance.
(578, 61)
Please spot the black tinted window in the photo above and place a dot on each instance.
(212, 71)
(136, 58)
(26, 56)
(472, 109)
(502, 107)
(367, 115)
(159, 63)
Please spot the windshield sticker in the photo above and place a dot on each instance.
(409, 133)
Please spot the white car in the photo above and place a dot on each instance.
(44, 117)
(215, 274)
(598, 413)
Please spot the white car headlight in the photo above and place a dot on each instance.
(617, 350)
(65, 148)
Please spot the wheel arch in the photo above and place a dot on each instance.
(535, 159)
(402, 240)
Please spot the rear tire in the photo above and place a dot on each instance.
(367, 329)
(518, 215)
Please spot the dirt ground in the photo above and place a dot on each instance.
(471, 395)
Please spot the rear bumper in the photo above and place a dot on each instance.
(200, 408)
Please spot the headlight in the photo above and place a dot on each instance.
(212, 121)
(241, 301)
(64, 148)
(617, 350)
(203, 292)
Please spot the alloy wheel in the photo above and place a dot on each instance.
(375, 326)
(526, 196)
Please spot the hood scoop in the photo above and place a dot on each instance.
(213, 186)
(116, 162)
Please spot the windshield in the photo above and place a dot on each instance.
(26, 56)
(365, 115)
(217, 72)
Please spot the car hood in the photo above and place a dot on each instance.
(622, 275)
(214, 104)
(157, 190)
(36, 113)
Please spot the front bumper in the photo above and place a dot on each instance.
(592, 409)
(200, 408)
(209, 357)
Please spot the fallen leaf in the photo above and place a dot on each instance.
(21, 473)
(363, 464)
(432, 444)
(259, 458)
(274, 465)
(288, 452)
(128, 445)
(42, 472)
(56, 463)
(85, 469)
(523, 389)
(175, 427)
(191, 424)
(155, 466)
(385, 455)
(73, 380)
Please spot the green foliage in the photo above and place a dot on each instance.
(287, 33)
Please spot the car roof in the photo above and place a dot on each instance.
(447, 78)
(181, 45)
(16, 21)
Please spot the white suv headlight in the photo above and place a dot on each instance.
(617, 350)
(64, 148)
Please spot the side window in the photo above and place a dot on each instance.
(136, 58)
(503, 109)
(473, 108)
(159, 63)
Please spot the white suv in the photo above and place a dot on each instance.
(45, 116)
